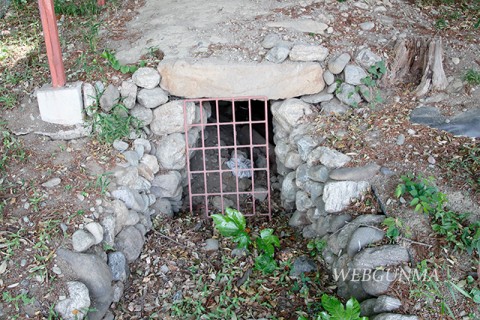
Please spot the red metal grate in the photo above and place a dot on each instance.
(207, 180)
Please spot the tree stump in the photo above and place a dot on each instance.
(419, 61)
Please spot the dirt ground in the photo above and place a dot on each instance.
(37, 219)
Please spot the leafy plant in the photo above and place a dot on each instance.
(472, 77)
(316, 246)
(393, 224)
(76, 8)
(8, 298)
(335, 310)
(426, 196)
(115, 64)
(233, 225)
(103, 181)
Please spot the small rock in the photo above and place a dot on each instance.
(362, 237)
(387, 255)
(354, 75)
(358, 173)
(239, 252)
(118, 288)
(366, 58)
(431, 160)
(278, 54)
(120, 145)
(391, 316)
(386, 304)
(318, 173)
(339, 195)
(348, 94)
(96, 230)
(109, 98)
(76, 305)
(333, 107)
(400, 139)
(328, 77)
(147, 78)
(318, 97)
(130, 242)
(52, 183)
(128, 92)
(270, 40)
(152, 98)
(145, 115)
(328, 157)
(82, 240)
(211, 245)
(301, 52)
(302, 265)
(337, 64)
(366, 26)
(455, 60)
(131, 157)
(118, 265)
(361, 5)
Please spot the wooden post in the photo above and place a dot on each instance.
(54, 52)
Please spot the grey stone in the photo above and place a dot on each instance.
(318, 97)
(163, 207)
(338, 195)
(130, 241)
(126, 176)
(301, 25)
(108, 223)
(76, 305)
(290, 113)
(366, 58)
(465, 124)
(52, 183)
(332, 88)
(131, 157)
(333, 107)
(384, 256)
(147, 78)
(143, 142)
(354, 74)
(121, 213)
(152, 98)
(358, 173)
(128, 92)
(169, 118)
(348, 94)
(337, 222)
(131, 198)
(366, 26)
(133, 218)
(143, 114)
(314, 189)
(355, 290)
(171, 152)
(270, 40)
(211, 245)
(292, 160)
(430, 116)
(221, 205)
(278, 54)
(91, 270)
(367, 93)
(109, 98)
(361, 5)
(303, 201)
(301, 265)
(328, 157)
(120, 145)
(301, 175)
(317, 229)
(82, 240)
(151, 162)
(337, 64)
(303, 52)
(239, 252)
(298, 219)
(378, 283)
(362, 237)
(366, 307)
(328, 77)
(400, 139)
(386, 304)
(168, 183)
(118, 288)
(391, 316)
(96, 230)
(89, 98)
(289, 187)
(338, 241)
(118, 266)
(261, 193)
(318, 173)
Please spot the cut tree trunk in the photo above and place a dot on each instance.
(419, 61)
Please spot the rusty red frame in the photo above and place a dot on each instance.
(202, 148)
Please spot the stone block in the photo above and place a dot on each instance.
(61, 105)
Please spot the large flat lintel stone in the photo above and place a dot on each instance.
(209, 78)
(62, 105)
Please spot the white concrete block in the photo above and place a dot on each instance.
(61, 105)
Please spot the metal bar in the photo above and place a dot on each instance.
(52, 42)
(219, 151)
(187, 155)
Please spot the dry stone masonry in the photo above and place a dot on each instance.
(315, 182)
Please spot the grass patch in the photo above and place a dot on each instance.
(472, 77)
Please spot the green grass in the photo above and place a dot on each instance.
(466, 166)
(472, 77)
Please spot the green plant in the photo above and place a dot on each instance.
(8, 298)
(103, 181)
(472, 77)
(466, 165)
(425, 194)
(335, 310)
(10, 148)
(117, 124)
(232, 224)
(316, 247)
(393, 230)
(76, 8)
(115, 64)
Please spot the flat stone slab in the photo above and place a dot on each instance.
(465, 124)
(213, 78)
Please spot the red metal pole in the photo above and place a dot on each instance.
(101, 3)
(52, 42)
